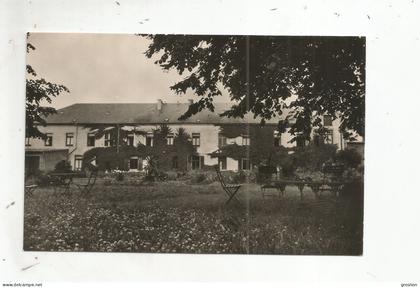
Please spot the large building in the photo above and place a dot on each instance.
(70, 133)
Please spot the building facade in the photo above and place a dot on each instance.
(71, 132)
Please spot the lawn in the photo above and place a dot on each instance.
(176, 216)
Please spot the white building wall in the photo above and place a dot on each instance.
(59, 140)
(337, 137)
(231, 164)
(208, 139)
(285, 139)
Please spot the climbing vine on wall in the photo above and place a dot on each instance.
(160, 154)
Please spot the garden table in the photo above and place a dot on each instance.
(316, 186)
(61, 181)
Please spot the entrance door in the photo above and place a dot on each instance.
(31, 164)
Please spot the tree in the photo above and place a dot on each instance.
(116, 133)
(164, 156)
(38, 90)
(261, 149)
(310, 76)
(159, 155)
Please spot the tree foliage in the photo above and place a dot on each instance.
(261, 149)
(117, 133)
(349, 157)
(310, 76)
(160, 155)
(38, 91)
(263, 152)
(107, 158)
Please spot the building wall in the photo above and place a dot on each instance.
(59, 140)
(231, 164)
(208, 139)
(47, 159)
(337, 136)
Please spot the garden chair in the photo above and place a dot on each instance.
(61, 182)
(29, 186)
(86, 187)
(230, 189)
(29, 189)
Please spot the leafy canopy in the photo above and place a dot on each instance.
(160, 154)
(38, 90)
(310, 76)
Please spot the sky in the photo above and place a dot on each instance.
(102, 68)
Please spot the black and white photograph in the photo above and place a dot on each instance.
(260, 143)
(217, 144)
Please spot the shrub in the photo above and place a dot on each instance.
(251, 175)
(349, 157)
(198, 178)
(313, 157)
(119, 176)
(155, 176)
(43, 180)
(172, 175)
(239, 177)
(306, 174)
(288, 167)
(107, 158)
(265, 173)
(63, 166)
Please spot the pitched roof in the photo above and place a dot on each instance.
(142, 113)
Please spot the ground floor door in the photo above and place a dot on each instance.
(135, 163)
(222, 162)
(31, 164)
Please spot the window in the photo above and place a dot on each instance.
(318, 140)
(196, 161)
(149, 139)
(222, 140)
(69, 139)
(170, 139)
(108, 140)
(328, 120)
(27, 141)
(328, 136)
(91, 139)
(48, 140)
(245, 164)
(130, 140)
(300, 141)
(222, 163)
(245, 140)
(196, 139)
(175, 162)
(277, 139)
(133, 163)
(78, 159)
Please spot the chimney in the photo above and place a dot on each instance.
(159, 104)
(190, 101)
